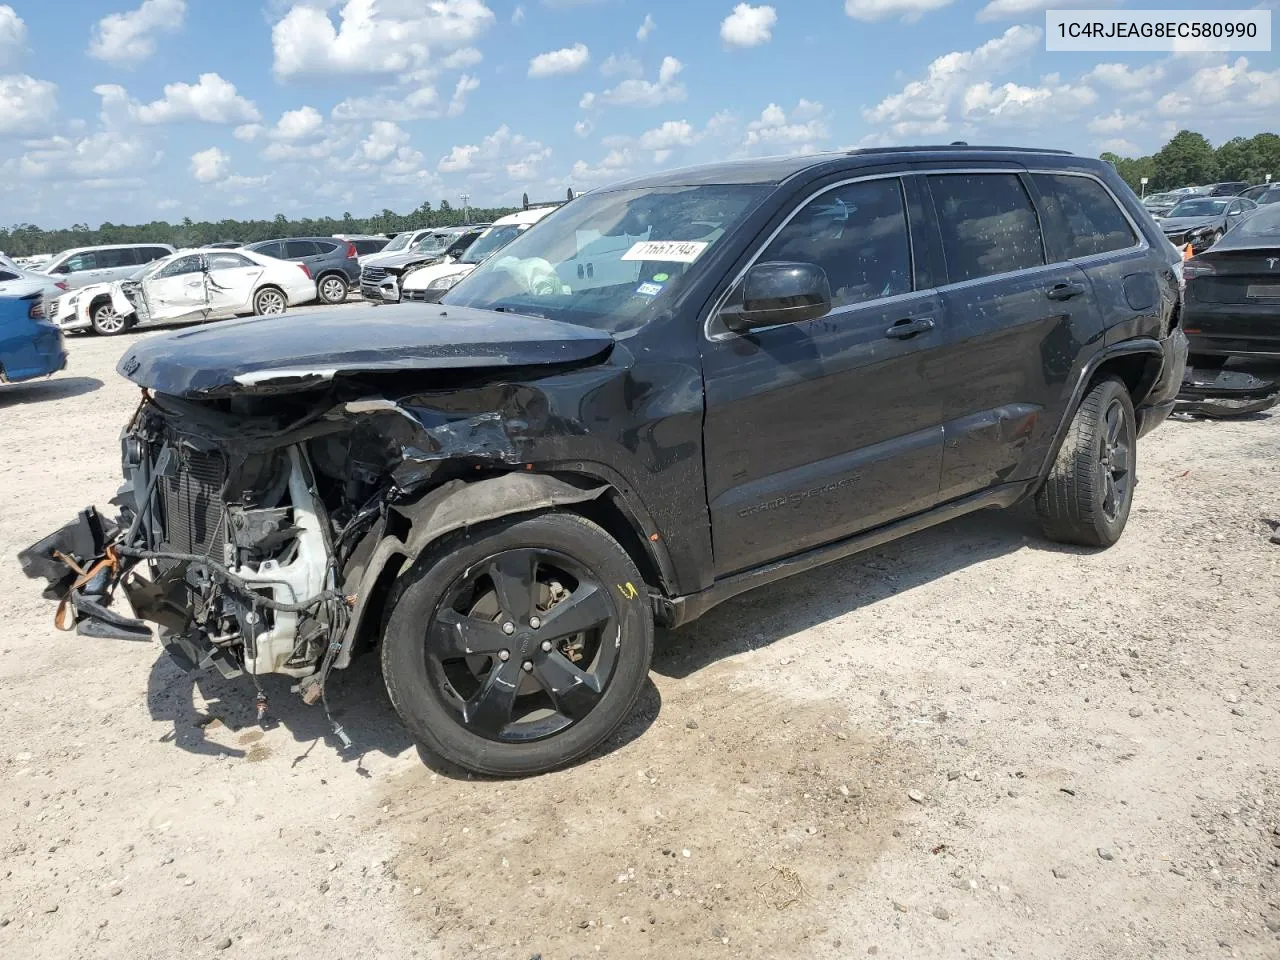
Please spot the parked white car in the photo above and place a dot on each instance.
(428, 284)
(188, 287)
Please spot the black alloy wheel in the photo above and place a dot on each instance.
(1116, 461)
(523, 645)
(518, 646)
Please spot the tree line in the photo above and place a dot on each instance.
(26, 238)
(1189, 159)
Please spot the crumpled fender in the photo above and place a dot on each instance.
(450, 507)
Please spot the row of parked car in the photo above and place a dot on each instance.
(1199, 216)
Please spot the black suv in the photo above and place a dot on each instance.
(673, 390)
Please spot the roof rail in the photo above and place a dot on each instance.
(569, 195)
(958, 147)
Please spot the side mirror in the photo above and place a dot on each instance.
(779, 292)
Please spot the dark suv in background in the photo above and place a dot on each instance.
(770, 365)
(332, 263)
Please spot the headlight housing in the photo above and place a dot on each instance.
(444, 283)
(1200, 232)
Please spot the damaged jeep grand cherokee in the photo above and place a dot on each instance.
(668, 392)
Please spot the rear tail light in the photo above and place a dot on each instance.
(305, 269)
(1194, 267)
(61, 285)
(36, 310)
(352, 252)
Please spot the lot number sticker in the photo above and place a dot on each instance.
(669, 251)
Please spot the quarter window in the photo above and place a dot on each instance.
(858, 234)
(1089, 220)
(988, 224)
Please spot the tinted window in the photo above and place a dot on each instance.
(299, 248)
(147, 254)
(6, 276)
(857, 234)
(189, 264)
(80, 263)
(229, 261)
(122, 257)
(1085, 214)
(368, 246)
(327, 246)
(269, 248)
(988, 224)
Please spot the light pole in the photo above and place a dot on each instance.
(465, 198)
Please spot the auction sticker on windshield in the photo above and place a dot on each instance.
(668, 251)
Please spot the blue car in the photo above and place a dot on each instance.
(30, 345)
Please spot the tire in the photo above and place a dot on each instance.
(106, 322)
(332, 288)
(454, 703)
(269, 302)
(1088, 494)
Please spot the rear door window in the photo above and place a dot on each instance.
(272, 248)
(858, 234)
(297, 249)
(1088, 220)
(119, 257)
(988, 223)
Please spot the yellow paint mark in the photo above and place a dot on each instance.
(628, 592)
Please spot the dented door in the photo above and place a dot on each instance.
(178, 292)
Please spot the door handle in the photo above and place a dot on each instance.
(1064, 291)
(906, 329)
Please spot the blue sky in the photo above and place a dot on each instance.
(128, 111)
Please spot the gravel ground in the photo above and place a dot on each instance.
(971, 742)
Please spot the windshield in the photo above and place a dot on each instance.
(608, 260)
(398, 243)
(495, 238)
(1265, 223)
(434, 243)
(1198, 208)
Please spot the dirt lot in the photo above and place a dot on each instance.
(971, 742)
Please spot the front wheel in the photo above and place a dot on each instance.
(1086, 498)
(269, 302)
(106, 321)
(517, 647)
(332, 289)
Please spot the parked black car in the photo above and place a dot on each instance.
(332, 262)
(1233, 294)
(1201, 221)
(774, 364)
(1231, 188)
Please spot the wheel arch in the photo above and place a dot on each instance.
(396, 541)
(1135, 362)
(257, 291)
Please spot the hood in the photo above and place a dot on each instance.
(1179, 224)
(394, 260)
(301, 351)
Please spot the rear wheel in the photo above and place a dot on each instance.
(517, 647)
(1086, 498)
(106, 321)
(332, 289)
(269, 301)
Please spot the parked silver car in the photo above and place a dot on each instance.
(81, 266)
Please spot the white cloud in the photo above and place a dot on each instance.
(13, 37)
(462, 59)
(802, 131)
(374, 37)
(300, 124)
(672, 133)
(391, 104)
(517, 15)
(248, 132)
(923, 106)
(1011, 104)
(613, 167)
(634, 92)
(1121, 146)
(210, 165)
(461, 90)
(1127, 79)
(26, 104)
(1014, 9)
(502, 156)
(110, 156)
(128, 38)
(882, 9)
(1229, 91)
(383, 142)
(1115, 122)
(748, 26)
(646, 28)
(622, 64)
(211, 99)
(559, 62)
(583, 128)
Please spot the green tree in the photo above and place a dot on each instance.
(1186, 160)
(1251, 158)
